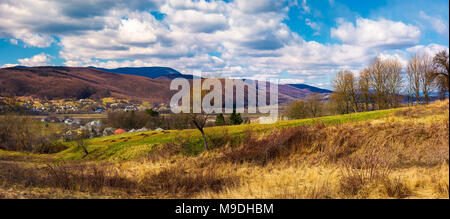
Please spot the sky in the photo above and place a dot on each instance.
(296, 41)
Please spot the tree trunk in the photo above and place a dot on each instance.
(204, 139)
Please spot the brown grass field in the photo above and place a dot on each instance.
(401, 156)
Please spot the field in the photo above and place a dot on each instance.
(397, 153)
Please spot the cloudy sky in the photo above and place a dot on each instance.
(297, 41)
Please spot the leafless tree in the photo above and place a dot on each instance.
(82, 142)
(345, 90)
(427, 76)
(378, 77)
(199, 120)
(364, 88)
(314, 102)
(441, 71)
(394, 80)
(414, 74)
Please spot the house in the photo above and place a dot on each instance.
(119, 131)
(130, 108)
(68, 121)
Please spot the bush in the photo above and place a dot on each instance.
(177, 181)
(396, 189)
(361, 170)
(275, 144)
(68, 176)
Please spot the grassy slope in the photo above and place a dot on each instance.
(131, 146)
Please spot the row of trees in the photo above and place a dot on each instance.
(382, 84)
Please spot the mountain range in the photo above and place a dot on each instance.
(147, 83)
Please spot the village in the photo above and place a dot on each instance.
(36, 106)
(79, 117)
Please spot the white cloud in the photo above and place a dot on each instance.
(136, 31)
(306, 9)
(314, 25)
(198, 22)
(258, 6)
(242, 38)
(431, 49)
(35, 40)
(37, 60)
(8, 65)
(381, 33)
(292, 81)
(399, 57)
(14, 41)
(437, 23)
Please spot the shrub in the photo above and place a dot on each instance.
(177, 181)
(68, 176)
(360, 170)
(395, 188)
(275, 144)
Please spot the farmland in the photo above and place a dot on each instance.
(396, 153)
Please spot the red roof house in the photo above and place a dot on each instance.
(119, 131)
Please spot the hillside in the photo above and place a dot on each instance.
(69, 82)
(149, 84)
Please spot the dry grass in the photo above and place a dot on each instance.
(405, 156)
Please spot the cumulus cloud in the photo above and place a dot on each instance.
(258, 6)
(314, 25)
(431, 49)
(436, 23)
(14, 41)
(8, 65)
(291, 81)
(306, 9)
(241, 38)
(41, 59)
(34, 21)
(377, 33)
(199, 22)
(35, 40)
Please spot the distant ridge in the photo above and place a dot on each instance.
(149, 72)
(311, 88)
(149, 84)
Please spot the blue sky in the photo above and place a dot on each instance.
(296, 41)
